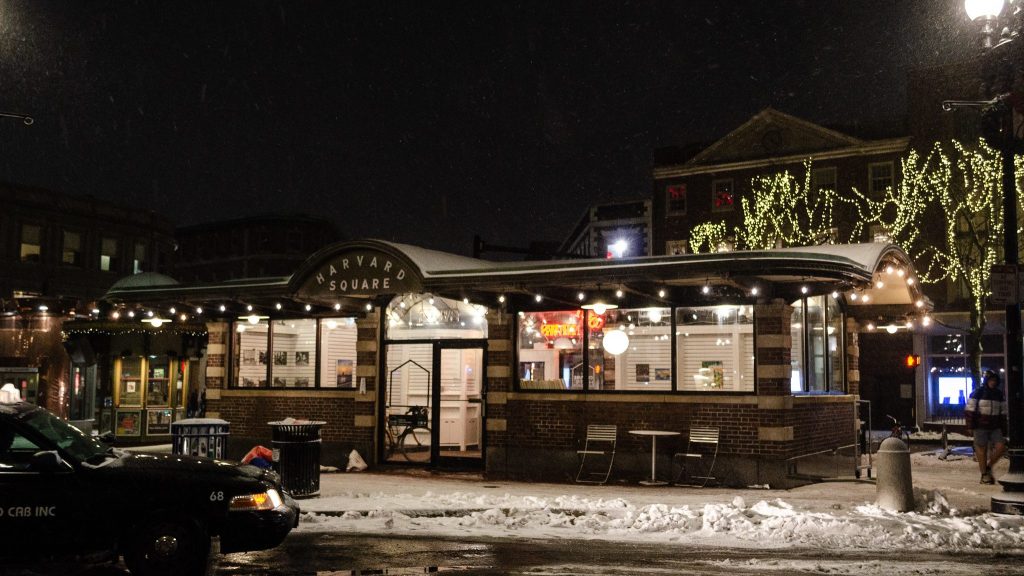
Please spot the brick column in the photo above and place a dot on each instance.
(368, 342)
(501, 337)
(852, 356)
(217, 351)
(774, 399)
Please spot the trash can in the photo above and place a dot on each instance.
(296, 458)
(207, 437)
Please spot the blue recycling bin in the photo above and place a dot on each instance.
(205, 437)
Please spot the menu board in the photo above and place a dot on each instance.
(129, 423)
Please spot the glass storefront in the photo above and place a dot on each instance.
(818, 352)
(632, 349)
(294, 353)
(948, 381)
(149, 393)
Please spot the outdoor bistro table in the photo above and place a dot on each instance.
(654, 452)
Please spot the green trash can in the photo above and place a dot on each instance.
(296, 448)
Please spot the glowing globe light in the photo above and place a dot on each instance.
(616, 342)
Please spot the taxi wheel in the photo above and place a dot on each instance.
(169, 546)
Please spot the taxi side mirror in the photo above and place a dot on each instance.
(47, 462)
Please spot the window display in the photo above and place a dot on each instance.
(554, 340)
(290, 353)
(131, 382)
(646, 361)
(715, 349)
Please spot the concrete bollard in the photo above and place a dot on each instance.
(895, 489)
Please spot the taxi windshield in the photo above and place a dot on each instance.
(69, 439)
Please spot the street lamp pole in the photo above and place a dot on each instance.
(999, 131)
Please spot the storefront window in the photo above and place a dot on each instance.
(715, 349)
(250, 354)
(287, 353)
(836, 344)
(294, 353)
(816, 353)
(817, 357)
(949, 375)
(338, 353)
(131, 382)
(796, 355)
(425, 316)
(638, 355)
(551, 350)
(158, 389)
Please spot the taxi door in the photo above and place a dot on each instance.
(35, 515)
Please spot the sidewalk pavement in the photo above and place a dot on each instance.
(956, 477)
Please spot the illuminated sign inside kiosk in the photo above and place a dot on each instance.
(360, 273)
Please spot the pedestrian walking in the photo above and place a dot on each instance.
(985, 416)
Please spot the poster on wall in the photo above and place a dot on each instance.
(662, 374)
(128, 423)
(158, 422)
(280, 382)
(643, 372)
(715, 372)
(263, 357)
(302, 382)
(343, 370)
(280, 358)
(302, 358)
(249, 357)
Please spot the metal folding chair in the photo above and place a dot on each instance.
(702, 444)
(600, 444)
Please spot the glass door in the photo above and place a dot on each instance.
(459, 386)
(408, 403)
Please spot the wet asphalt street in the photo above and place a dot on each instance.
(318, 554)
(322, 554)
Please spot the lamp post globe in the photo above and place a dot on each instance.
(983, 8)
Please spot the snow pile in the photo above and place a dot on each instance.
(773, 522)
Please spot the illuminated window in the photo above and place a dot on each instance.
(722, 195)
(108, 255)
(551, 350)
(880, 234)
(71, 249)
(823, 179)
(817, 358)
(139, 262)
(675, 247)
(675, 199)
(715, 348)
(880, 177)
(632, 349)
(287, 353)
(31, 242)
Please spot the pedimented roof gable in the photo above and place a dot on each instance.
(769, 134)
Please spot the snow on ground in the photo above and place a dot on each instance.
(762, 523)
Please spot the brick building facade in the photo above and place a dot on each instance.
(530, 426)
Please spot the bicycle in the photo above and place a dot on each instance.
(404, 433)
(899, 431)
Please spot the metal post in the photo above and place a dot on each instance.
(1011, 501)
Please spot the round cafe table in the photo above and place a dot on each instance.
(654, 452)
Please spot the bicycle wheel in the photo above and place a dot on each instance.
(415, 444)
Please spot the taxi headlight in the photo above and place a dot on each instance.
(263, 501)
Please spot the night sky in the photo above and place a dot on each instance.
(428, 122)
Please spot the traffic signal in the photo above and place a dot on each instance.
(912, 360)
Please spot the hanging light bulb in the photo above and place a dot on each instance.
(618, 293)
(254, 319)
(654, 314)
(891, 328)
(501, 299)
(661, 293)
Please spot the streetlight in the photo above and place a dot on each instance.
(1000, 26)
